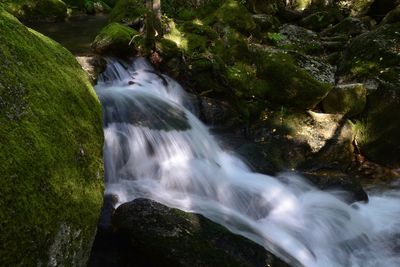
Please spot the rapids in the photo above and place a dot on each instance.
(156, 148)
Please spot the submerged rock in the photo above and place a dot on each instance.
(163, 236)
(51, 172)
(114, 40)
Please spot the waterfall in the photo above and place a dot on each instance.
(156, 148)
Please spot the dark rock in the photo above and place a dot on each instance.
(349, 99)
(164, 236)
(301, 141)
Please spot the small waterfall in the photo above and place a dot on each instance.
(156, 148)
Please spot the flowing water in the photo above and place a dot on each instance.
(156, 148)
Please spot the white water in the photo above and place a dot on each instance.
(156, 148)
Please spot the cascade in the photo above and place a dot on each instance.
(156, 148)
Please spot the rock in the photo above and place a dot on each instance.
(318, 20)
(373, 56)
(290, 78)
(348, 27)
(233, 14)
(304, 141)
(349, 99)
(127, 11)
(266, 22)
(334, 180)
(51, 172)
(114, 40)
(392, 17)
(93, 66)
(164, 236)
(32, 10)
(214, 112)
(380, 8)
(299, 39)
(359, 8)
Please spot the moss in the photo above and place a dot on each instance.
(289, 83)
(368, 58)
(50, 149)
(33, 10)
(127, 11)
(379, 129)
(114, 39)
(318, 21)
(234, 14)
(349, 99)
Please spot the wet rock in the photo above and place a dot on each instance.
(93, 66)
(349, 99)
(164, 236)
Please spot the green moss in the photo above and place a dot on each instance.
(347, 99)
(50, 149)
(368, 58)
(289, 84)
(234, 14)
(127, 11)
(34, 10)
(114, 39)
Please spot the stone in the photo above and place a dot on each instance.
(349, 99)
(51, 172)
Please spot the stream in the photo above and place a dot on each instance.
(156, 148)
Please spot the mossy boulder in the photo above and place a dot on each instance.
(164, 236)
(349, 99)
(128, 11)
(51, 174)
(379, 129)
(292, 79)
(293, 37)
(348, 27)
(114, 40)
(374, 56)
(304, 140)
(360, 7)
(319, 20)
(393, 16)
(34, 10)
(235, 15)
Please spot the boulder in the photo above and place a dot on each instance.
(300, 39)
(127, 11)
(51, 174)
(93, 66)
(349, 99)
(303, 141)
(318, 20)
(286, 78)
(373, 59)
(393, 16)
(164, 236)
(33, 10)
(114, 40)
